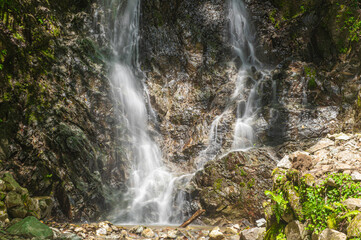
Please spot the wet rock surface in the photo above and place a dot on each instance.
(232, 187)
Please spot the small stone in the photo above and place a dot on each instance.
(163, 235)
(253, 234)
(123, 233)
(236, 226)
(285, 163)
(216, 234)
(78, 229)
(172, 234)
(234, 237)
(356, 176)
(261, 222)
(330, 234)
(148, 233)
(342, 136)
(231, 230)
(331, 182)
(2, 185)
(101, 232)
(139, 230)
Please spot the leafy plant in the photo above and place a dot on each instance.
(280, 204)
(322, 204)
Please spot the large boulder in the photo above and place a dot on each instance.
(30, 227)
(232, 187)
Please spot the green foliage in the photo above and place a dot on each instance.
(322, 204)
(218, 184)
(311, 76)
(280, 204)
(350, 23)
(281, 236)
(275, 232)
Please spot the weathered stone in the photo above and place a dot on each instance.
(172, 234)
(323, 143)
(295, 231)
(3, 215)
(18, 212)
(31, 227)
(216, 234)
(356, 176)
(331, 182)
(309, 180)
(352, 203)
(234, 237)
(45, 204)
(354, 229)
(12, 185)
(341, 136)
(261, 222)
(285, 163)
(13, 199)
(101, 232)
(330, 234)
(2, 185)
(253, 234)
(148, 233)
(231, 230)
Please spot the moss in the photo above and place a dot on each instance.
(274, 231)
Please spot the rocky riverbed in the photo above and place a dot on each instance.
(106, 230)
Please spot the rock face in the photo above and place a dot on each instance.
(59, 132)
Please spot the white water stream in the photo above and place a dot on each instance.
(150, 191)
(245, 100)
(151, 195)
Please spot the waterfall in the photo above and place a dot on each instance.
(245, 100)
(153, 195)
(150, 187)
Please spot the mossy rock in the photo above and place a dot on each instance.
(294, 200)
(13, 199)
(31, 227)
(354, 229)
(12, 185)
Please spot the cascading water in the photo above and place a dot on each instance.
(152, 192)
(245, 100)
(242, 40)
(149, 196)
